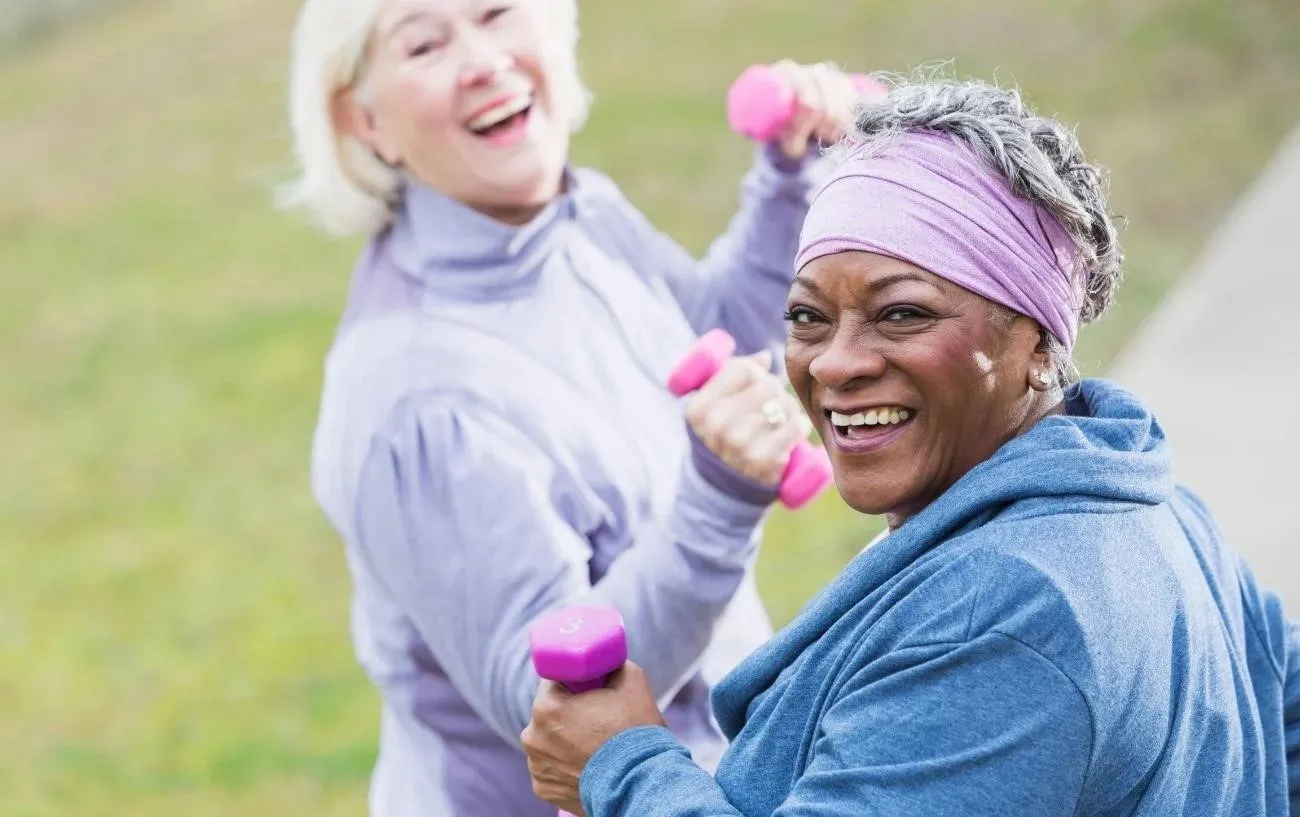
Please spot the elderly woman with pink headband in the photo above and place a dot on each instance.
(1050, 625)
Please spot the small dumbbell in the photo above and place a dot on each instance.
(807, 472)
(578, 647)
(761, 102)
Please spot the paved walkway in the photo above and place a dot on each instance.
(1219, 363)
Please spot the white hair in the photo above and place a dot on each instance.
(341, 182)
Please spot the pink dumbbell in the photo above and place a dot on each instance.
(807, 472)
(761, 102)
(578, 647)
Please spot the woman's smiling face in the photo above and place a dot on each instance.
(910, 379)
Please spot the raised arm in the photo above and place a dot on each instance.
(473, 528)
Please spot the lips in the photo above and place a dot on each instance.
(882, 415)
(859, 429)
(499, 113)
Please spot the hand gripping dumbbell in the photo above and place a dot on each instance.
(578, 647)
(761, 102)
(807, 472)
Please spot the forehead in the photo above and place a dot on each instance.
(394, 14)
(395, 11)
(861, 271)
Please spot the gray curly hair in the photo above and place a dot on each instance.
(1038, 155)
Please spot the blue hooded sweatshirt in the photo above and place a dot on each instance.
(1062, 632)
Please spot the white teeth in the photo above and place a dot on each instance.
(880, 416)
(500, 113)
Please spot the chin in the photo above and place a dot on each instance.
(532, 178)
(874, 497)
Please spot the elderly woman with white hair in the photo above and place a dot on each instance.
(495, 438)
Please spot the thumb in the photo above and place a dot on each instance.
(553, 689)
(763, 359)
(627, 674)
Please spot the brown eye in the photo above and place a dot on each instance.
(902, 314)
(800, 315)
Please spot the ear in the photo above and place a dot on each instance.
(1041, 373)
(1027, 347)
(354, 117)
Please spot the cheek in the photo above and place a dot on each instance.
(556, 74)
(797, 362)
(955, 383)
(425, 100)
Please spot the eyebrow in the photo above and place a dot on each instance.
(882, 283)
(409, 17)
(896, 278)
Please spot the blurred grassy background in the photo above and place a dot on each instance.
(173, 631)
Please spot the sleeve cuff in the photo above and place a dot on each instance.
(776, 171)
(608, 772)
(720, 476)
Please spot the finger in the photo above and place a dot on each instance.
(549, 695)
(735, 375)
(806, 425)
(798, 140)
(554, 689)
(755, 402)
(727, 426)
(548, 703)
(627, 675)
(776, 443)
(799, 132)
(737, 422)
(837, 95)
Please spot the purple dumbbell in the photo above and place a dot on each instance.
(578, 647)
(761, 102)
(807, 472)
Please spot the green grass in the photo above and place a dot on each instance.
(173, 630)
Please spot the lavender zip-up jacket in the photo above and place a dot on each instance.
(495, 440)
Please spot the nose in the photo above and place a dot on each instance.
(849, 356)
(484, 58)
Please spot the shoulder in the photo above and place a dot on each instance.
(385, 377)
(1045, 575)
(1057, 581)
(601, 195)
(1091, 593)
(597, 185)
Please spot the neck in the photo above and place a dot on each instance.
(519, 214)
(513, 215)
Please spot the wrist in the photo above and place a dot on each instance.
(771, 155)
(725, 479)
(606, 775)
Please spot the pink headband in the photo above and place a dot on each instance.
(927, 200)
